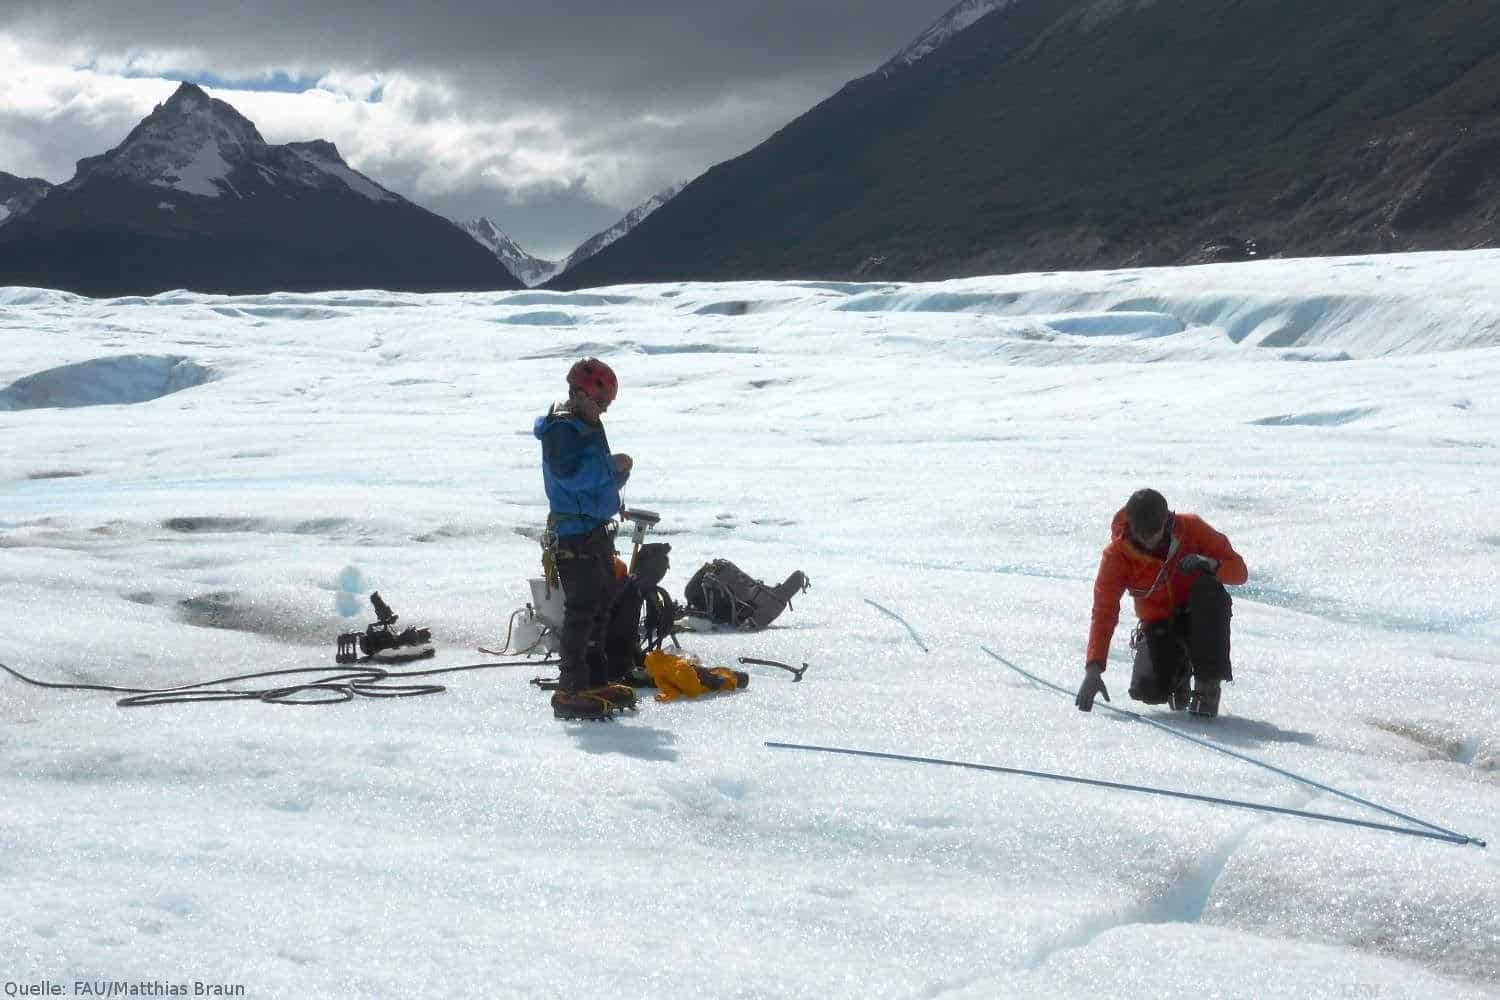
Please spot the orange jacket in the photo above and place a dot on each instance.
(1157, 585)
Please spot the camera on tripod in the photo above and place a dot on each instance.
(380, 639)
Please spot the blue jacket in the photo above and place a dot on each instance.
(582, 486)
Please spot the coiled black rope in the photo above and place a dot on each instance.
(340, 684)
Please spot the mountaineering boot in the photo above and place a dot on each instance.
(1205, 700)
(1181, 696)
(620, 696)
(580, 705)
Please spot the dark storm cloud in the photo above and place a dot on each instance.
(612, 53)
(552, 117)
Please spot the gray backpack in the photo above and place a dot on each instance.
(724, 593)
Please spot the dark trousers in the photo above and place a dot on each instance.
(1193, 642)
(622, 636)
(586, 565)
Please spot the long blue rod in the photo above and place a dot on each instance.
(1451, 838)
(891, 614)
(1449, 834)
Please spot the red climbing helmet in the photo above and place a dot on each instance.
(595, 378)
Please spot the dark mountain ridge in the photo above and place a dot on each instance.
(19, 195)
(195, 198)
(1100, 133)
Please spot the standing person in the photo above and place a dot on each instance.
(583, 482)
(1175, 567)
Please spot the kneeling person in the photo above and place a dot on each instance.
(1175, 567)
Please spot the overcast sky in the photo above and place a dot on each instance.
(552, 117)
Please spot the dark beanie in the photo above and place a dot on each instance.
(1146, 510)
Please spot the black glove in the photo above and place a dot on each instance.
(1196, 562)
(1093, 683)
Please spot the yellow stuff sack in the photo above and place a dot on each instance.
(678, 676)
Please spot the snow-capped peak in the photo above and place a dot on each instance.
(652, 203)
(18, 195)
(189, 143)
(632, 219)
(491, 235)
(324, 156)
(528, 269)
(200, 145)
(956, 20)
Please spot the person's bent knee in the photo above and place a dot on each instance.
(1208, 592)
